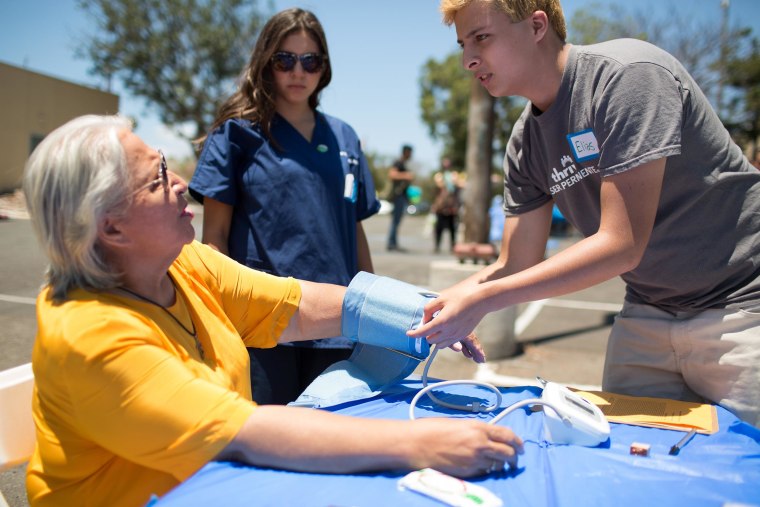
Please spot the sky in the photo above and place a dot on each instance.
(377, 50)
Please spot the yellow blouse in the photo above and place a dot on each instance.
(123, 404)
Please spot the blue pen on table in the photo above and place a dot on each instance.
(685, 440)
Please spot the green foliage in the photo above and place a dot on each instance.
(701, 47)
(596, 22)
(743, 75)
(444, 100)
(181, 56)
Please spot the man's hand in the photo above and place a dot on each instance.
(450, 318)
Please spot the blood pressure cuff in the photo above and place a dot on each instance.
(377, 312)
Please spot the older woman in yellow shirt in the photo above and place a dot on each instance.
(140, 364)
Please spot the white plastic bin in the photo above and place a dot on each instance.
(17, 435)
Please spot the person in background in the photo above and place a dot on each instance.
(400, 178)
(622, 139)
(285, 187)
(446, 203)
(140, 368)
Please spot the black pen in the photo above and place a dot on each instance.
(685, 440)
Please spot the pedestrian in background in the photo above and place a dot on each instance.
(400, 178)
(285, 187)
(446, 204)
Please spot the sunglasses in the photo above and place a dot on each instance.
(285, 61)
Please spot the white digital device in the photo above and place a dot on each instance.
(571, 419)
(568, 417)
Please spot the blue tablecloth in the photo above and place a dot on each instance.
(711, 470)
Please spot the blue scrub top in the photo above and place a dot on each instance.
(295, 207)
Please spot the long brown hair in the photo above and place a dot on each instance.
(255, 97)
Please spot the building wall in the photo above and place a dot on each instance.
(31, 106)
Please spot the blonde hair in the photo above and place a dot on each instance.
(516, 10)
(74, 177)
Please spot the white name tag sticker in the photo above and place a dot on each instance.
(349, 190)
(584, 145)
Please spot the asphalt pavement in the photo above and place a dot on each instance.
(561, 339)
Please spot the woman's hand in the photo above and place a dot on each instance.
(308, 440)
(464, 448)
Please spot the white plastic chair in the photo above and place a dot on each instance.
(17, 436)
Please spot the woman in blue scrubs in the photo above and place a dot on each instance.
(284, 187)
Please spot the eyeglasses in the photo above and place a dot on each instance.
(285, 61)
(163, 175)
(163, 171)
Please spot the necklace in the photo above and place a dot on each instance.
(192, 332)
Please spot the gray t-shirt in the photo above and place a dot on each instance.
(621, 104)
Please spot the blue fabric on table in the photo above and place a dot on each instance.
(710, 470)
(377, 313)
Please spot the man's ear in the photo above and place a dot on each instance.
(540, 24)
(110, 232)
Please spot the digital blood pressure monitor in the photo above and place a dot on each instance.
(568, 417)
(571, 419)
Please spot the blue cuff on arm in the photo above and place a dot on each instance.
(377, 313)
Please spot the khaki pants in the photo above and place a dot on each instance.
(710, 356)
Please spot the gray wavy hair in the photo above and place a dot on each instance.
(76, 175)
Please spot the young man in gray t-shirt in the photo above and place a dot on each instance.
(620, 137)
